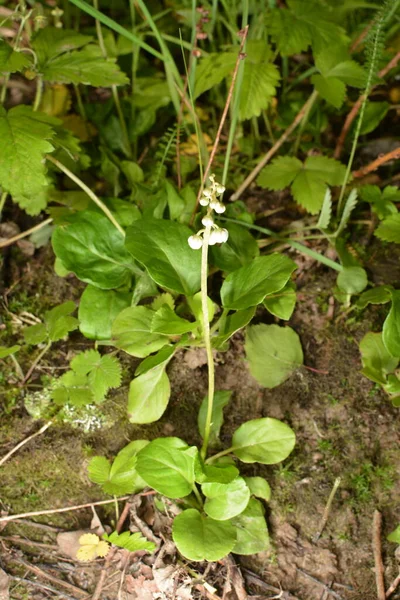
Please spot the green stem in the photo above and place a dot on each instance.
(88, 191)
(197, 494)
(303, 249)
(81, 106)
(207, 339)
(39, 93)
(219, 455)
(303, 124)
(4, 88)
(3, 199)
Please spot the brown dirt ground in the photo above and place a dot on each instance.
(345, 427)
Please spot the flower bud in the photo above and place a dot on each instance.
(224, 235)
(204, 201)
(219, 207)
(195, 242)
(207, 221)
(220, 188)
(214, 237)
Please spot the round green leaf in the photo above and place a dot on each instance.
(352, 280)
(267, 441)
(391, 326)
(225, 500)
(282, 303)
(273, 353)
(167, 465)
(249, 285)
(162, 247)
(92, 248)
(201, 538)
(148, 395)
(258, 487)
(98, 309)
(251, 529)
(131, 332)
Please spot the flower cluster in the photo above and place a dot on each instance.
(211, 198)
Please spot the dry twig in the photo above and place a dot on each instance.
(393, 586)
(327, 510)
(377, 547)
(24, 234)
(40, 573)
(381, 160)
(25, 441)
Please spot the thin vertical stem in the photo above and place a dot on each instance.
(3, 199)
(207, 339)
(39, 93)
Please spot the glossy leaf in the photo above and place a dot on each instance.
(131, 332)
(167, 465)
(225, 500)
(251, 530)
(162, 247)
(233, 323)
(240, 249)
(273, 353)
(249, 285)
(148, 395)
(201, 538)
(98, 309)
(267, 441)
(92, 248)
(259, 487)
(376, 360)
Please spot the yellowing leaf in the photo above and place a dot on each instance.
(190, 148)
(91, 547)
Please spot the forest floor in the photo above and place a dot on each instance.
(345, 427)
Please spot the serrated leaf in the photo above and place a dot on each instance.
(280, 173)
(221, 399)
(162, 299)
(389, 229)
(260, 78)
(198, 537)
(99, 469)
(50, 42)
(330, 89)
(273, 353)
(73, 389)
(12, 61)
(25, 140)
(35, 334)
(326, 211)
(87, 66)
(133, 542)
(91, 547)
(120, 477)
(59, 321)
(334, 62)
(212, 69)
(104, 371)
(349, 206)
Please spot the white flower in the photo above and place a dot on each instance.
(195, 242)
(214, 237)
(224, 235)
(207, 221)
(219, 207)
(204, 201)
(219, 188)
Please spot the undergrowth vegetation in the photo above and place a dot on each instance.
(130, 138)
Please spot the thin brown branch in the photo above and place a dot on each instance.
(355, 109)
(393, 586)
(240, 57)
(24, 234)
(359, 40)
(41, 586)
(377, 548)
(393, 155)
(297, 120)
(53, 511)
(40, 573)
(25, 441)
